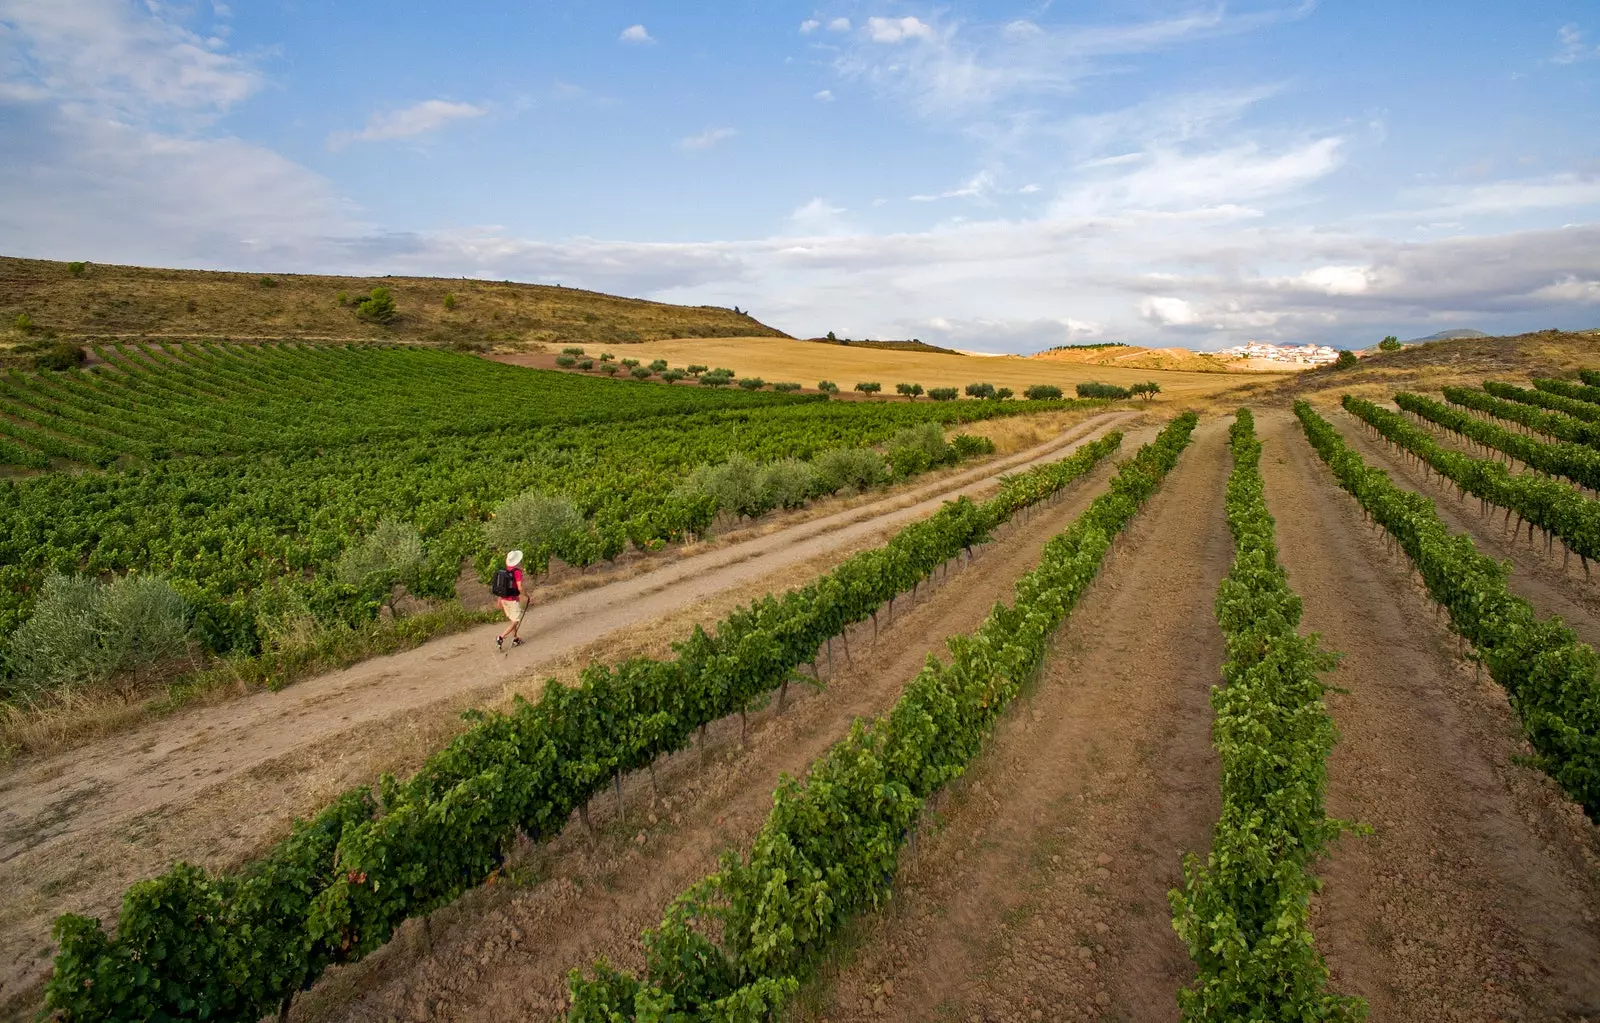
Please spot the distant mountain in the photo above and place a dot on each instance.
(1448, 335)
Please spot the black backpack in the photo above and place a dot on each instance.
(504, 585)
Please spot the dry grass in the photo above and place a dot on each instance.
(108, 301)
(780, 359)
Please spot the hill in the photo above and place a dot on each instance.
(130, 301)
(1460, 334)
(889, 346)
(785, 359)
(1435, 364)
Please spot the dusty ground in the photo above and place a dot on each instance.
(214, 784)
(1478, 895)
(1041, 891)
(504, 952)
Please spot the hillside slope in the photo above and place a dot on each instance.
(1136, 357)
(107, 300)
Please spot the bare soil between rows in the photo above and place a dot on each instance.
(1477, 897)
(216, 784)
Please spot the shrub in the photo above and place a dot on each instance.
(606, 356)
(723, 371)
(1148, 389)
(909, 390)
(268, 282)
(608, 368)
(673, 375)
(1042, 392)
(1345, 360)
(83, 632)
(343, 298)
(752, 383)
(586, 364)
(827, 387)
(60, 356)
(858, 468)
(449, 300)
(377, 307)
(631, 363)
(1390, 344)
(785, 386)
(572, 351)
(537, 524)
(737, 486)
(1092, 389)
(695, 371)
(76, 268)
(787, 483)
(642, 372)
(566, 361)
(23, 323)
(1002, 393)
(390, 554)
(715, 380)
(659, 365)
(914, 449)
(980, 390)
(966, 445)
(869, 387)
(942, 393)
(191, 305)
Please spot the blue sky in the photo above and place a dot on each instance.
(995, 176)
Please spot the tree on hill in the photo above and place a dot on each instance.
(1042, 392)
(377, 307)
(1390, 344)
(1345, 360)
(980, 390)
(1148, 389)
(909, 390)
(869, 387)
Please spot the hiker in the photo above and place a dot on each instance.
(507, 587)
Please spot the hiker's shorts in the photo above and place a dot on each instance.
(513, 609)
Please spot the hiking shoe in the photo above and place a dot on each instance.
(516, 641)
(499, 642)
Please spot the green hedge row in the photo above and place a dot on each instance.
(1567, 389)
(1552, 679)
(1575, 462)
(1559, 425)
(734, 947)
(1543, 399)
(1550, 504)
(1244, 911)
(235, 946)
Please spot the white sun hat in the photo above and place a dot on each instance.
(513, 559)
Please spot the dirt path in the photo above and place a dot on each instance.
(504, 952)
(1536, 577)
(1042, 893)
(212, 785)
(1478, 897)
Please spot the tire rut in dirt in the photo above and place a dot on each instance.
(503, 952)
(1537, 577)
(1042, 891)
(1477, 896)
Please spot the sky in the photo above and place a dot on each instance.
(991, 176)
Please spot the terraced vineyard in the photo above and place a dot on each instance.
(1172, 737)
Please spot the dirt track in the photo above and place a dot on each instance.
(504, 952)
(213, 784)
(1043, 893)
(1478, 896)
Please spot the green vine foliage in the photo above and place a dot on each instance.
(1551, 423)
(1550, 504)
(1553, 680)
(1584, 392)
(736, 946)
(1575, 462)
(1570, 406)
(1244, 911)
(233, 947)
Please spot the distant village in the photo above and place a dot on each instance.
(1302, 355)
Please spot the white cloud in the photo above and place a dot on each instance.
(825, 95)
(975, 187)
(1571, 289)
(708, 138)
(127, 58)
(1502, 198)
(897, 30)
(839, 25)
(1336, 280)
(809, 26)
(819, 217)
(409, 122)
(1571, 47)
(636, 34)
(1166, 311)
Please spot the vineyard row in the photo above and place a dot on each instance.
(736, 946)
(1574, 462)
(1553, 680)
(237, 945)
(1559, 425)
(1244, 911)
